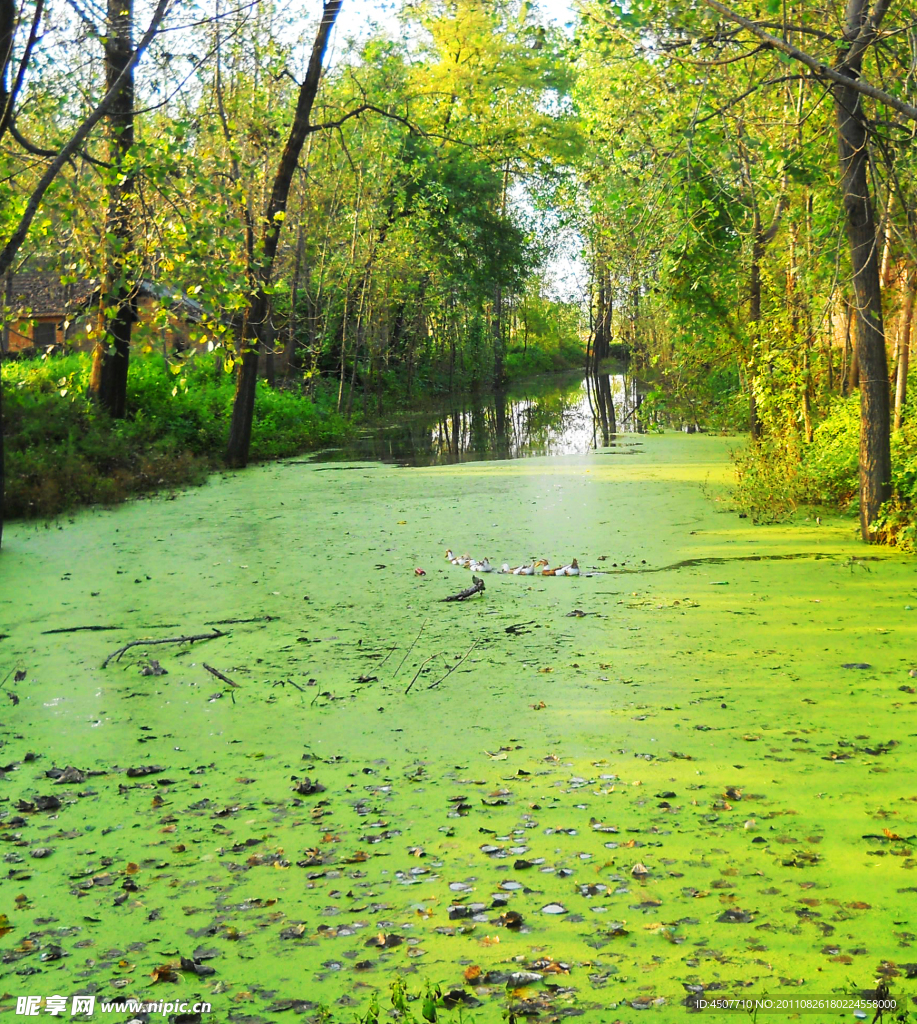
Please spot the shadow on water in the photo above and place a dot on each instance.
(688, 563)
(554, 415)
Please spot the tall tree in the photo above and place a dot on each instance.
(15, 233)
(118, 295)
(860, 28)
(861, 22)
(256, 329)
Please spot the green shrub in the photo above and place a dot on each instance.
(63, 452)
(831, 461)
(527, 362)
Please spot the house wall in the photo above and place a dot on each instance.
(175, 337)
(19, 337)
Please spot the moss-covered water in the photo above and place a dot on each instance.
(678, 785)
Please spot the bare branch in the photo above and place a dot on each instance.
(76, 141)
(748, 92)
(820, 69)
(213, 635)
(6, 116)
(30, 147)
(362, 110)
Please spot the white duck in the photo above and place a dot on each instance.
(564, 570)
(528, 569)
(482, 566)
(463, 561)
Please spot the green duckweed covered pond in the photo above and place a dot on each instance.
(679, 787)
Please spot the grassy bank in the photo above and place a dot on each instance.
(62, 452)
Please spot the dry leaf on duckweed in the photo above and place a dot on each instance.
(385, 941)
(735, 916)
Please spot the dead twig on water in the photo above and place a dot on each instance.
(417, 673)
(463, 595)
(165, 640)
(452, 668)
(216, 672)
(289, 682)
(391, 651)
(411, 648)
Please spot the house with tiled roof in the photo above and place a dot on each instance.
(45, 313)
(39, 304)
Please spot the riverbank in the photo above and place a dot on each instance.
(566, 795)
(63, 453)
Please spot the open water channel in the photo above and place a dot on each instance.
(688, 771)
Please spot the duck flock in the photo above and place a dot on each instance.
(537, 567)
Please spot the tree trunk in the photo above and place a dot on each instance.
(293, 352)
(497, 327)
(904, 352)
(2, 452)
(243, 410)
(4, 344)
(118, 299)
(603, 313)
(7, 29)
(755, 426)
(7, 34)
(875, 434)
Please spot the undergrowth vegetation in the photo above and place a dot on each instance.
(62, 451)
(782, 474)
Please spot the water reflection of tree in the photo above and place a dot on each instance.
(503, 424)
(615, 401)
(543, 417)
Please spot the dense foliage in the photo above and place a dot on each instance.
(715, 224)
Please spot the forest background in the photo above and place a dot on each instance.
(467, 193)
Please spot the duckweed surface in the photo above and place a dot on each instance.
(692, 772)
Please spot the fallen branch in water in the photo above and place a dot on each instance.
(463, 595)
(165, 640)
(216, 672)
(233, 622)
(450, 670)
(391, 651)
(411, 648)
(417, 673)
